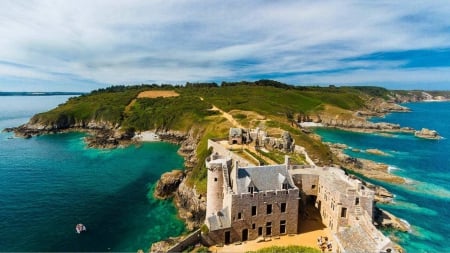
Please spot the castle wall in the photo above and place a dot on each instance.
(309, 183)
(328, 202)
(243, 218)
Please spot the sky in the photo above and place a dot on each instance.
(88, 44)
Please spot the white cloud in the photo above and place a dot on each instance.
(167, 41)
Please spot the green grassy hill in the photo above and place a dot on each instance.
(274, 103)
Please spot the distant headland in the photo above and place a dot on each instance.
(46, 93)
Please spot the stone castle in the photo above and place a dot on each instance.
(247, 202)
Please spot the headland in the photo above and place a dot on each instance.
(120, 115)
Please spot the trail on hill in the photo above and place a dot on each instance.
(226, 115)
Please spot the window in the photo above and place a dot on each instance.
(239, 216)
(250, 189)
(269, 228)
(283, 207)
(313, 186)
(269, 208)
(344, 212)
(285, 186)
(215, 179)
(253, 210)
(260, 229)
(253, 226)
(282, 227)
(357, 201)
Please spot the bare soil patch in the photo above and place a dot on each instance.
(158, 93)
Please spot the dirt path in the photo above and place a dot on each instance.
(228, 116)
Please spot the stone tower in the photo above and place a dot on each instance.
(217, 166)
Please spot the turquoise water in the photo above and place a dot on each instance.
(425, 200)
(50, 183)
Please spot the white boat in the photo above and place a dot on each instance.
(80, 228)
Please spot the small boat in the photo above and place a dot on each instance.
(80, 228)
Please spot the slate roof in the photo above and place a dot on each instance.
(235, 132)
(263, 178)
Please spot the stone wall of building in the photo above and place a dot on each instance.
(309, 183)
(243, 218)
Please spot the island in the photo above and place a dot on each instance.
(260, 125)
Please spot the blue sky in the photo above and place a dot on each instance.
(83, 45)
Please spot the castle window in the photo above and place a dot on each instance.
(269, 228)
(357, 201)
(285, 186)
(253, 210)
(283, 207)
(344, 212)
(215, 179)
(313, 186)
(250, 189)
(269, 208)
(253, 226)
(282, 227)
(239, 216)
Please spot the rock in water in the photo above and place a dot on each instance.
(427, 134)
(168, 184)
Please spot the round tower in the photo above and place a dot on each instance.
(214, 197)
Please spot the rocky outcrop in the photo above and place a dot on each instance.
(385, 219)
(375, 151)
(365, 167)
(191, 205)
(427, 134)
(381, 106)
(168, 184)
(361, 125)
(165, 245)
(102, 134)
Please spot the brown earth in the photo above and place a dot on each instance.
(158, 93)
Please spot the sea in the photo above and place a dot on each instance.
(50, 183)
(424, 201)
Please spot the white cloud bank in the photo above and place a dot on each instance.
(73, 45)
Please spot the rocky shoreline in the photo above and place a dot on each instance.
(190, 204)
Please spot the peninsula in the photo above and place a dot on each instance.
(194, 114)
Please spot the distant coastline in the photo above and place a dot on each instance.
(37, 93)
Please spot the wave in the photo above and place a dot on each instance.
(392, 168)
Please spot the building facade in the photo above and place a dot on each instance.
(245, 203)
